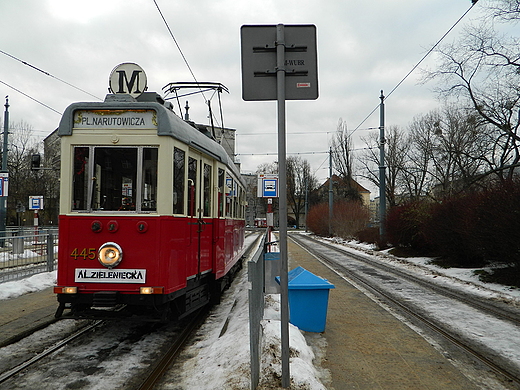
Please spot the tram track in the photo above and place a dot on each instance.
(376, 277)
(56, 347)
(165, 362)
(495, 307)
(91, 348)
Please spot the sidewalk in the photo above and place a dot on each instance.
(26, 312)
(368, 348)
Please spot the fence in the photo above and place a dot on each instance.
(27, 252)
(256, 277)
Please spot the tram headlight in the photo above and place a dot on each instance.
(110, 254)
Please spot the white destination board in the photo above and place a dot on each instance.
(104, 275)
(115, 119)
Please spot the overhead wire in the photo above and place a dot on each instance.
(187, 63)
(30, 97)
(418, 63)
(298, 153)
(175, 41)
(48, 74)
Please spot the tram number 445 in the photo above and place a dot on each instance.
(84, 253)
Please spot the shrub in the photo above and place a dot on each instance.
(404, 225)
(370, 235)
(470, 230)
(318, 219)
(450, 227)
(348, 218)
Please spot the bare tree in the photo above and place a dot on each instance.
(22, 181)
(442, 152)
(483, 69)
(447, 152)
(396, 147)
(505, 9)
(300, 182)
(342, 158)
(341, 145)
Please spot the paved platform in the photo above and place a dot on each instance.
(368, 348)
(25, 313)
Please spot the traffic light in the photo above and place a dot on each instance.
(35, 161)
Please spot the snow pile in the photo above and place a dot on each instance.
(31, 284)
(219, 359)
(302, 359)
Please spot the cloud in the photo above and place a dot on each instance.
(363, 47)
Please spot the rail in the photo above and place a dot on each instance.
(489, 356)
(27, 252)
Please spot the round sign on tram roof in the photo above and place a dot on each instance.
(128, 78)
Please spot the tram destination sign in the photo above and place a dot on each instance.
(104, 275)
(259, 62)
(115, 119)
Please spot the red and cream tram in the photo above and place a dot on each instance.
(151, 210)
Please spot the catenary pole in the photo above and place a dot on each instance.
(382, 169)
(282, 177)
(331, 193)
(3, 199)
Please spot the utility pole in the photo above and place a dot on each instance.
(382, 172)
(331, 193)
(306, 198)
(3, 198)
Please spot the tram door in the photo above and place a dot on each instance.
(200, 177)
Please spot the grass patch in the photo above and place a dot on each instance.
(399, 251)
(508, 276)
(445, 262)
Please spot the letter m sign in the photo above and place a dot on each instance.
(128, 78)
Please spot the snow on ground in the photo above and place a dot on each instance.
(221, 360)
(459, 278)
(220, 356)
(33, 283)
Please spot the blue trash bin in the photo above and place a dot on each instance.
(308, 300)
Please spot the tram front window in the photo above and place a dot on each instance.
(114, 180)
(114, 174)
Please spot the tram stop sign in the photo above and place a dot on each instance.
(259, 62)
(35, 202)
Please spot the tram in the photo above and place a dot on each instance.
(151, 209)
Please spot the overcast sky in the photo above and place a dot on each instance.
(363, 47)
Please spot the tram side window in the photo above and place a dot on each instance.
(229, 196)
(114, 181)
(79, 178)
(207, 190)
(241, 203)
(149, 182)
(235, 201)
(179, 164)
(192, 185)
(221, 193)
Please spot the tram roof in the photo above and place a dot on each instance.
(169, 124)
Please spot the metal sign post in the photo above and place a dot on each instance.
(289, 52)
(282, 204)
